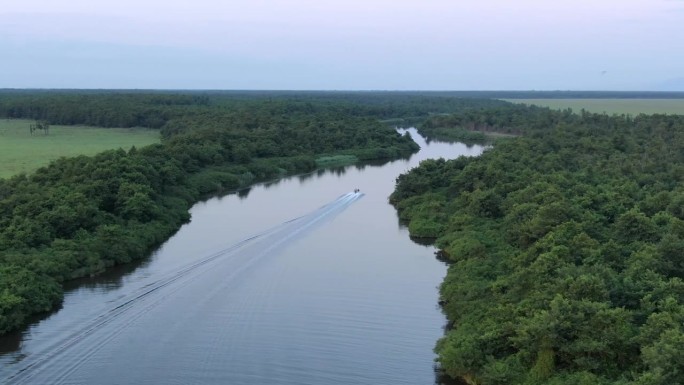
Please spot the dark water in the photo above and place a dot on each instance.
(301, 281)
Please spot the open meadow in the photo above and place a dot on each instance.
(22, 152)
(612, 106)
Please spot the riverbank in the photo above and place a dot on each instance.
(548, 236)
(115, 244)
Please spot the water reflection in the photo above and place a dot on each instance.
(271, 183)
(429, 140)
(305, 177)
(11, 342)
(111, 279)
(379, 162)
(423, 241)
(243, 193)
(442, 379)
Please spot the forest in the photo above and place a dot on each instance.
(565, 247)
(78, 216)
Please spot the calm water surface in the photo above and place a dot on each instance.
(300, 281)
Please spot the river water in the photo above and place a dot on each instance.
(301, 281)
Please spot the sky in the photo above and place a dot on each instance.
(343, 44)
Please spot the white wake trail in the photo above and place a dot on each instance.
(61, 358)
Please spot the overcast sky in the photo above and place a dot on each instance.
(343, 44)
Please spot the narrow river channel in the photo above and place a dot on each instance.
(301, 281)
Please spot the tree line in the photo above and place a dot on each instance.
(171, 111)
(565, 248)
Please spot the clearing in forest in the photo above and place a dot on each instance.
(612, 106)
(23, 151)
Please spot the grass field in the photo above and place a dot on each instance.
(612, 106)
(22, 152)
(336, 160)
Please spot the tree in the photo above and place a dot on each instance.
(40, 125)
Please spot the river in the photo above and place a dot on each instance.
(300, 281)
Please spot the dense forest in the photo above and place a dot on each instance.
(173, 111)
(565, 247)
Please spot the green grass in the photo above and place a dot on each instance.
(336, 160)
(22, 152)
(612, 106)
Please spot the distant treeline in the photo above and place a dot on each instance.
(173, 112)
(566, 248)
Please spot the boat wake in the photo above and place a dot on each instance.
(57, 361)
